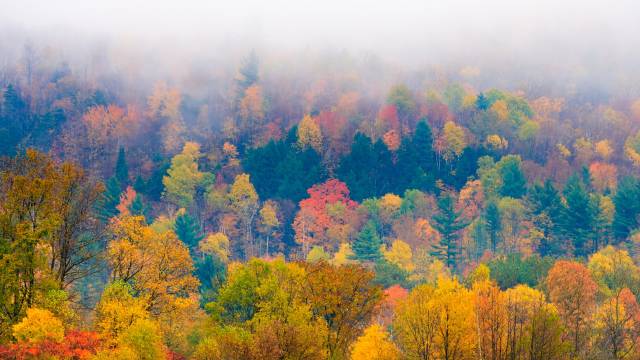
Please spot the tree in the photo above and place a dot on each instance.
(448, 223)
(453, 141)
(367, 168)
(183, 176)
(157, 265)
(374, 344)
(122, 169)
(244, 202)
(613, 270)
(309, 134)
(573, 291)
(106, 205)
(433, 322)
(39, 325)
(513, 182)
(366, 247)
(546, 206)
(188, 230)
(616, 323)
(48, 233)
(345, 298)
(493, 223)
(269, 222)
(579, 216)
(627, 203)
(328, 206)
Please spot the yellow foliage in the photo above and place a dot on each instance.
(39, 325)
(400, 254)
(454, 140)
(564, 152)
(309, 134)
(374, 344)
(501, 110)
(497, 142)
(216, 245)
(604, 149)
(632, 148)
(442, 314)
(343, 256)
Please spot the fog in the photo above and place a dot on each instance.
(594, 42)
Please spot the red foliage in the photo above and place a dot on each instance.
(77, 345)
(389, 115)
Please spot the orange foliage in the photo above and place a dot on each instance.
(76, 345)
(603, 175)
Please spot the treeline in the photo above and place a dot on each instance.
(331, 220)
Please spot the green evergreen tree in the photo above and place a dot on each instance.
(122, 169)
(546, 208)
(493, 223)
(138, 206)
(188, 230)
(513, 181)
(106, 205)
(366, 247)
(627, 204)
(448, 222)
(579, 216)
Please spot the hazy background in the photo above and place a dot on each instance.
(594, 42)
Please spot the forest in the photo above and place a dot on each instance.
(314, 205)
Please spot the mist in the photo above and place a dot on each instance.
(511, 44)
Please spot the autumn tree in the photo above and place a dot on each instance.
(374, 344)
(245, 203)
(345, 298)
(183, 176)
(573, 291)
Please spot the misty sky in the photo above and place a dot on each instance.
(397, 26)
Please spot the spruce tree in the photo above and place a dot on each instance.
(513, 180)
(366, 247)
(106, 205)
(493, 223)
(627, 203)
(188, 230)
(122, 169)
(579, 216)
(448, 222)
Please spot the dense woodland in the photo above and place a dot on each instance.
(335, 209)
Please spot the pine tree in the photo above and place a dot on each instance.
(493, 224)
(106, 205)
(423, 146)
(448, 222)
(366, 247)
(188, 230)
(513, 180)
(627, 203)
(546, 208)
(122, 169)
(579, 216)
(138, 206)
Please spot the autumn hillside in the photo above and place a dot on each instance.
(336, 207)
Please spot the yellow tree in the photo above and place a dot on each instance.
(617, 326)
(39, 325)
(158, 265)
(400, 254)
(309, 134)
(437, 322)
(374, 344)
(269, 222)
(244, 202)
(453, 140)
(183, 176)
